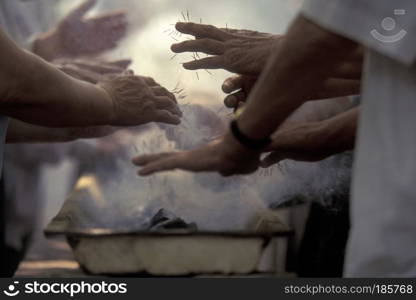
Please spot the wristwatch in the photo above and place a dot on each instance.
(253, 144)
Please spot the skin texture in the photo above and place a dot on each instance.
(239, 51)
(314, 141)
(245, 52)
(306, 57)
(36, 92)
(21, 132)
(239, 87)
(77, 35)
(140, 100)
(92, 70)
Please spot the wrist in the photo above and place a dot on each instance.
(234, 146)
(246, 141)
(108, 105)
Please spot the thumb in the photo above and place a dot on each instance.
(80, 11)
(271, 159)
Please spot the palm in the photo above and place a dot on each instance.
(240, 51)
(89, 36)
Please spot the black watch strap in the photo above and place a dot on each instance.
(247, 142)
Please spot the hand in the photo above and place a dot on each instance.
(93, 70)
(239, 88)
(224, 155)
(77, 36)
(239, 51)
(139, 100)
(302, 142)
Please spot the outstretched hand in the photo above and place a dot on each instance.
(240, 51)
(225, 156)
(137, 100)
(77, 35)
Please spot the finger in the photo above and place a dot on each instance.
(81, 10)
(233, 100)
(161, 91)
(142, 160)
(171, 162)
(202, 31)
(165, 116)
(100, 67)
(84, 75)
(128, 72)
(232, 84)
(108, 21)
(271, 159)
(122, 63)
(207, 46)
(115, 16)
(168, 104)
(150, 81)
(215, 62)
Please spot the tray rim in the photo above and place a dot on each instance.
(103, 232)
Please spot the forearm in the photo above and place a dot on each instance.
(306, 58)
(36, 92)
(21, 132)
(337, 87)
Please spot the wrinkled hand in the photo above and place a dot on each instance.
(240, 51)
(139, 100)
(79, 36)
(92, 70)
(224, 155)
(300, 142)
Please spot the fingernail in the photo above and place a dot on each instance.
(231, 101)
(179, 25)
(186, 65)
(225, 87)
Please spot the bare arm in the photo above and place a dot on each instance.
(34, 91)
(305, 59)
(21, 132)
(239, 87)
(314, 141)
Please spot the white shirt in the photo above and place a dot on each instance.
(382, 240)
